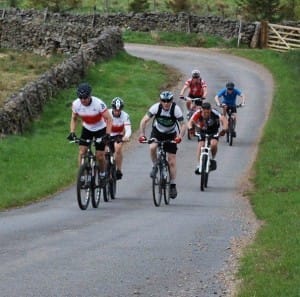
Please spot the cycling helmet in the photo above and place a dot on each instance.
(206, 105)
(166, 96)
(117, 103)
(84, 90)
(195, 73)
(230, 85)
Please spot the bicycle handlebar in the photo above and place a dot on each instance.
(154, 140)
(186, 98)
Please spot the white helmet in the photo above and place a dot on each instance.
(195, 73)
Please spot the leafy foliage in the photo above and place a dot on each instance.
(55, 5)
(260, 9)
(178, 5)
(139, 5)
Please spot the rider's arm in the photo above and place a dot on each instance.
(182, 128)
(108, 119)
(204, 87)
(127, 134)
(73, 122)
(243, 98)
(217, 99)
(143, 124)
(183, 89)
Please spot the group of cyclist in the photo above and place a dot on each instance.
(168, 123)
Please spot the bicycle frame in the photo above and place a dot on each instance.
(205, 151)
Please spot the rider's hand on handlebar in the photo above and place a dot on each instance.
(222, 132)
(72, 136)
(177, 139)
(181, 97)
(142, 138)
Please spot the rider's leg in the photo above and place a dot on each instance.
(172, 164)
(153, 155)
(118, 155)
(100, 156)
(214, 147)
(82, 151)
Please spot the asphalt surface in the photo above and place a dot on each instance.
(128, 247)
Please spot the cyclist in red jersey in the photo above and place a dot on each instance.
(197, 89)
(96, 123)
(209, 121)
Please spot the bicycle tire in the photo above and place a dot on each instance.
(112, 183)
(166, 185)
(84, 187)
(204, 174)
(96, 193)
(156, 190)
(230, 131)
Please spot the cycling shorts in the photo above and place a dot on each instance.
(233, 108)
(202, 137)
(87, 134)
(168, 147)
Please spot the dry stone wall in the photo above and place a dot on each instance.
(27, 104)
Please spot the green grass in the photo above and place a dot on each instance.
(41, 161)
(271, 266)
(178, 39)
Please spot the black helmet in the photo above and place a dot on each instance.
(117, 103)
(196, 73)
(230, 85)
(84, 90)
(166, 96)
(206, 105)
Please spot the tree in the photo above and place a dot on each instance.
(178, 5)
(139, 5)
(260, 9)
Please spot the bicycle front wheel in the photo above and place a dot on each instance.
(204, 174)
(84, 187)
(112, 183)
(157, 190)
(230, 131)
(96, 193)
(165, 178)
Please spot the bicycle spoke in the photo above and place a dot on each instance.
(84, 188)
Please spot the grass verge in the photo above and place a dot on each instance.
(41, 161)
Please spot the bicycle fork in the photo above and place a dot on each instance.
(205, 151)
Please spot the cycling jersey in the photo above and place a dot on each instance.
(165, 122)
(196, 87)
(120, 123)
(229, 98)
(210, 125)
(91, 115)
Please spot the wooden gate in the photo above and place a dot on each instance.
(283, 38)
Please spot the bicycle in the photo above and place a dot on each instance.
(88, 184)
(111, 168)
(205, 160)
(231, 133)
(193, 130)
(161, 180)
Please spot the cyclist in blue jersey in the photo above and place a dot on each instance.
(227, 98)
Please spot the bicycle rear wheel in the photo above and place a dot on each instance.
(165, 177)
(84, 187)
(157, 189)
(96, 193)
(204, 174)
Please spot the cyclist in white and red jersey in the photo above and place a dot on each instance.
(197, 89)
(96, 123)
(120, 130)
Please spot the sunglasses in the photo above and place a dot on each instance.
(165, 101)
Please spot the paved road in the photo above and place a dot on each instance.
(128, 247)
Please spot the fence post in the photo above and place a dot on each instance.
(264, 34)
